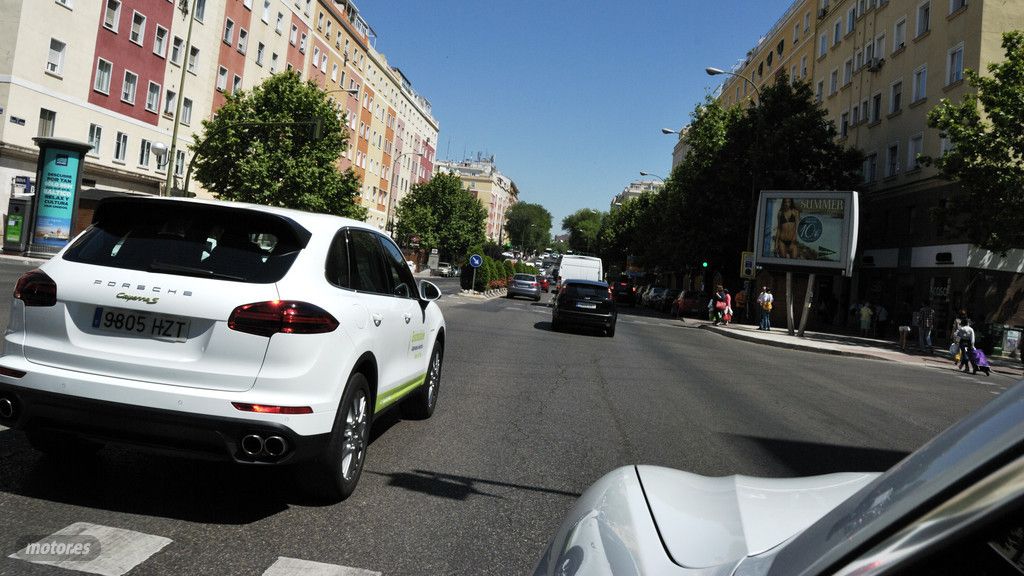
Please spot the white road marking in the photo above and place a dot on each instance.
(120, 550)
(993, 392)
(295, 567)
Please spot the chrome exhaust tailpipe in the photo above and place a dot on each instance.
(275, 446)
(6, 407)
(252, 445)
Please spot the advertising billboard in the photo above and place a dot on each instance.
(58, 175)
(807, 230)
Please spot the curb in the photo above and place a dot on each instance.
(485, 295)
(790, 345)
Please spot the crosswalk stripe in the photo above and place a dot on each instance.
(119, 550)
(285, 566)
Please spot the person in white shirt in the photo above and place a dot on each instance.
(965, 334)
(764, 300)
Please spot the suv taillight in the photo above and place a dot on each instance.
(35, 288)
(286, 316)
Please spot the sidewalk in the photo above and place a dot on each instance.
(853, 346)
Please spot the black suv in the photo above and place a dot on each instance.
(625, 292)
(584, 303)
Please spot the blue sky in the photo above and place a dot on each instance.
(569, 96)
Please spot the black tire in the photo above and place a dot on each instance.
(556, 326)
(421, 403)
(333, 475)
(611, 331)
(62, 445)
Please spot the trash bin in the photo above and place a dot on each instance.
(16, 224)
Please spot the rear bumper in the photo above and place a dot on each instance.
(527, 292)
(605, 320)
(195, 435)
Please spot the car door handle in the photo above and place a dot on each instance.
(377, 319)
(408, 317)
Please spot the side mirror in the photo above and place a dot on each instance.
(429, 291)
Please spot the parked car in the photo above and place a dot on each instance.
(652, 295)
(444, 269)
(667, 298)
(624, 292)
(692, 303)
(584, 303)
(955, 506)
(248, 353)
(524, 285)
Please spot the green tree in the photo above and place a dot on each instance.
(584, 225)
(528, 225)
(987, 156)
(443, 215)
(278, 145)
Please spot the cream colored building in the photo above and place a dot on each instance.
(634, 190)
(493, 189)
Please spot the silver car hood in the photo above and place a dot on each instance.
(653, 520)
(706, 522)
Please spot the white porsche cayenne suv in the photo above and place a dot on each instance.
(247, 333)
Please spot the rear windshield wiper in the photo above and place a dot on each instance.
(155, 266)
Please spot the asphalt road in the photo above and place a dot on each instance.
(527, 419)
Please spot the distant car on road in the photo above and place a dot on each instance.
(665, 301)
(584, 303)
(624, 292)
(955, 506)
(444, 269)
(524, 285)
(651, 296)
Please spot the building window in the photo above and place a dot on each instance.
(186, 111)
(819, 92)
(844, 124)
(280, 23)
(66, 3)
(179, 163)
(103, 72)
(320, 21)
(121, 147)
(47, 122)
(803, 66)
(236, 83)
(899, 35)
(170, 102)
(302, 43)
(247, 4)
(955, 5)
(822, 45)
(177, 45)
(193, 59)
(229, 31)
(855, 115)
(55, 57)
(112, 15)
(316, 57)
(858, 59)
(880, 46)
(266, 12)
(144, 149)
(95, 138)
(243, 40)
(896, 97)
(848, 71)
(260, 51)
(892, 160)
(924, 11)
(914, 152)
(837, 32)
(273, 63)
(138, 32)
(153, 97)
(293, 35)
(876, 108)
(851, 19)
(160, 41)
(955, 64)
(833, 82)
(920, 89)
(870, 168)
(807, 22)
(334, 73)
(222, 78)
(200, 10)
(131, 81)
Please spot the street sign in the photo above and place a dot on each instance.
(475, 260)
(747, 268)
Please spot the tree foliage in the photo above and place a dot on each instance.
(263, 147)
(528, 225)
(584, 226)
(443, 215)
(987, 156)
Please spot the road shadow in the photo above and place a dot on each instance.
(455, 487)
(582, 330)
(135, 481)
(813, 458)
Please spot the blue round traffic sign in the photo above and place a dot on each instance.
(475, 260)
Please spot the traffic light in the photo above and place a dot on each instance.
(704, 264)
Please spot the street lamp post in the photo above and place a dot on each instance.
(185, 56)
(642, 173)
(390, 226)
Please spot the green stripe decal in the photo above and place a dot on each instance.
(392, 396)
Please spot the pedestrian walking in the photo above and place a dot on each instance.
(925, 323)
(764, 301)
(719, 303)
(866, 313)
(741, 305)
(965, 336)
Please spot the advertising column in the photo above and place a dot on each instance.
(58, 180)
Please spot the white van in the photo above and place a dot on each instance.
(572, 267)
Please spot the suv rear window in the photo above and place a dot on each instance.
(586, 291)
(190, 239)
